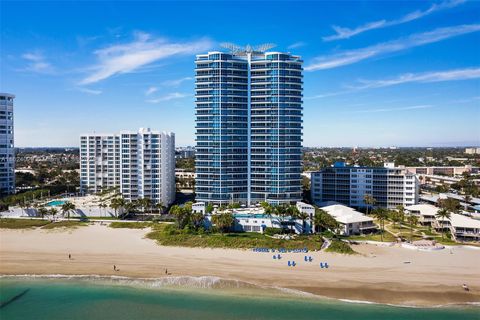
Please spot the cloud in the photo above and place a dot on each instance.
(151, 90)
(297, 45)
(414, 40)
(170, 96)
(425, 77)
(37, 63)
(126, 58)
(435, 76)
(345, 33)
(176, 82)
(89, 91)
(427, 106)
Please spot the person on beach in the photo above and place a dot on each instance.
(114, 268)
(166, 271)
(69, 256)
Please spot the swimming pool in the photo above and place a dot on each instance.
(56, 203)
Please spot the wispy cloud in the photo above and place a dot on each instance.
(297, 45)
(89, 91)
(436, 76)
(126, 58)
(414, 40)
(176, 82)
(36, 62)
(426, 106)
(151, 90)
(425, 77)
(168, 97)
(345, 33)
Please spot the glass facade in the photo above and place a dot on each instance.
(248, 127)
(7, 150)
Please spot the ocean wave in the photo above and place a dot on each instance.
(200, 282)
(211, 282)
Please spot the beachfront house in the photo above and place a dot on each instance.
(351, 221)
(461, 227)
(425, 213)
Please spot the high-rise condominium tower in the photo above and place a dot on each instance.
(141, 164)
(248, 127)
(7, 149)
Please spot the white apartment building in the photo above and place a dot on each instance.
(472, 150)
(140, 164)
(348, 185)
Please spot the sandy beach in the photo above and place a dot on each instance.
(377, 274)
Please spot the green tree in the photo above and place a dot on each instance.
(381, 215)
(324, 221)
(197, 219)
(116, 204)
(66, 208)
(42, 211)
(412, 221)
(160, 207)
(209, 208)
(442, 215)
(369, 201)
(223, 221)
(53, 212)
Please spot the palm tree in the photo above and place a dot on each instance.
(467, 198)
(324, 221)
(197, 219)
(381, 215)
(42, 211)
(443, 214)
(369, 200)
(223, 221)
(53, 212)
(116, 204)
(400, 215)
(67, 207)
(303, 216)
(412, 221)
(160, 207)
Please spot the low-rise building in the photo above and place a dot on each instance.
(255, 220)
(461, 227)
(351, 221)
(425, 212)
(445, 171)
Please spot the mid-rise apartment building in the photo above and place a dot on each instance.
(389, 186)
(7, 149)
(140, 164)
(248, 127)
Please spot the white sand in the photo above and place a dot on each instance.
(378, 274)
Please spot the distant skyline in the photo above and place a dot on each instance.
(376, 73)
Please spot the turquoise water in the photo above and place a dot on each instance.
(55, 203)
(79, 299)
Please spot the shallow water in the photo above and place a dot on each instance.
(186, 298)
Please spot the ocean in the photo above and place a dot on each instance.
(187, 298)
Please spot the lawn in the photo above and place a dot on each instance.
(131, 225)
(65, 224)
(22, 223)
(168, 235)
(387, 237)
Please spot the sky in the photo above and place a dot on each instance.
(396, 73)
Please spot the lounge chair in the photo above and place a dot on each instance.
(279, 256)
(294, 264)
(326, 265)
(305, 258)
(289, 264)
(310, 259)
(274, 257)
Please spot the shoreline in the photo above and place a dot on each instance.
(377, 275)
(243, 291)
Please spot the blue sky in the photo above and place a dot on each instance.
(403, 73)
